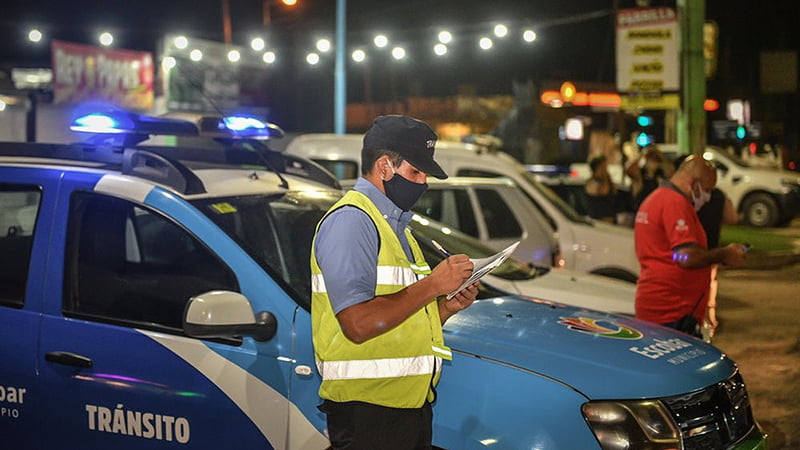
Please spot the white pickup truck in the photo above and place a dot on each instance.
(763, 197)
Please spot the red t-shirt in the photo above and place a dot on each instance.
(665, 291)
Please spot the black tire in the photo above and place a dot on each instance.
(761, 210)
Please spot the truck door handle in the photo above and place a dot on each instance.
(68, 359)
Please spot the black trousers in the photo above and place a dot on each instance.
(363, 426)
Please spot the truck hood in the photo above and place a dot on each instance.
(603, 356)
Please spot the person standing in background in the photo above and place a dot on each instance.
(646, 178)
(601, 194)
(673, 252)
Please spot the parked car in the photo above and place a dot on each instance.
(586, 245)
(534, 282)
(151, 295)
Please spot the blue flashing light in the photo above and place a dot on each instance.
(644, 121)
(249, 127)
(243, 123)
(97, 123)
(643, 140)
(741, 132)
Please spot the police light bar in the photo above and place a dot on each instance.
(230, 127)
(125, 122)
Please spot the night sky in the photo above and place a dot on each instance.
(583, 49)
(575, 39)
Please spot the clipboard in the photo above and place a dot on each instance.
(484, 266)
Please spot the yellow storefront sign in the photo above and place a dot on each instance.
(664, 101)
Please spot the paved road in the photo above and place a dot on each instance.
(759, 313)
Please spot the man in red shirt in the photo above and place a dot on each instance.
(672, 249)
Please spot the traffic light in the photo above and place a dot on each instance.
(643, 139)
(741, 132)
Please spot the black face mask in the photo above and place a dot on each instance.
(402, 192)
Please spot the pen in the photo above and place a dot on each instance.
(440, 248)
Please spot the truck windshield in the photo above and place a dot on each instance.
(562, 206)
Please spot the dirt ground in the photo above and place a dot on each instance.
(759, 312)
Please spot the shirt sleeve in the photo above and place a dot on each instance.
(680, 224)
(346, 249)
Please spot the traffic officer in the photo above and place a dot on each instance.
(377, 308)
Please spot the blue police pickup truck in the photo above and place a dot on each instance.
(157, 296)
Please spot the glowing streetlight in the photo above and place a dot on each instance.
(168, 63)
(359, 55)
(440, 49)
(398, 53)
(529, 35)
(381, 41)
(269, 57)
(35, 35)
(106, 39)
(485, 43)
(324, 45)
(500, 30)
(312, 59)
(289, 2)
(196, 55)
(181, 42)
(257, 44)
(445, 37)
(234, 56)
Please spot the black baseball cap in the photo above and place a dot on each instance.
(413, 139)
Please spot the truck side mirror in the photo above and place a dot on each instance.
(225, 314)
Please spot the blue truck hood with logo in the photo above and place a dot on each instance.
(601, 355)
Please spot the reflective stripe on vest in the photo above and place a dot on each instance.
(378, 368)
(388, 275)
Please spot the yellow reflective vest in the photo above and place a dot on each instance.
(398, 368)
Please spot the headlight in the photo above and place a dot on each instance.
(644, 424)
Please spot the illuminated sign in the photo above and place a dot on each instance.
(647, 50)
(83, 72)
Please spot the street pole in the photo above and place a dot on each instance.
(691, 116)
(340, 75)
(226, 21)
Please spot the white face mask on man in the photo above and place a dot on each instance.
(698, 200)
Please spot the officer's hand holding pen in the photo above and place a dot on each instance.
(451, 272)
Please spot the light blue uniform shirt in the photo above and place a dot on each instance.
(346, 247)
